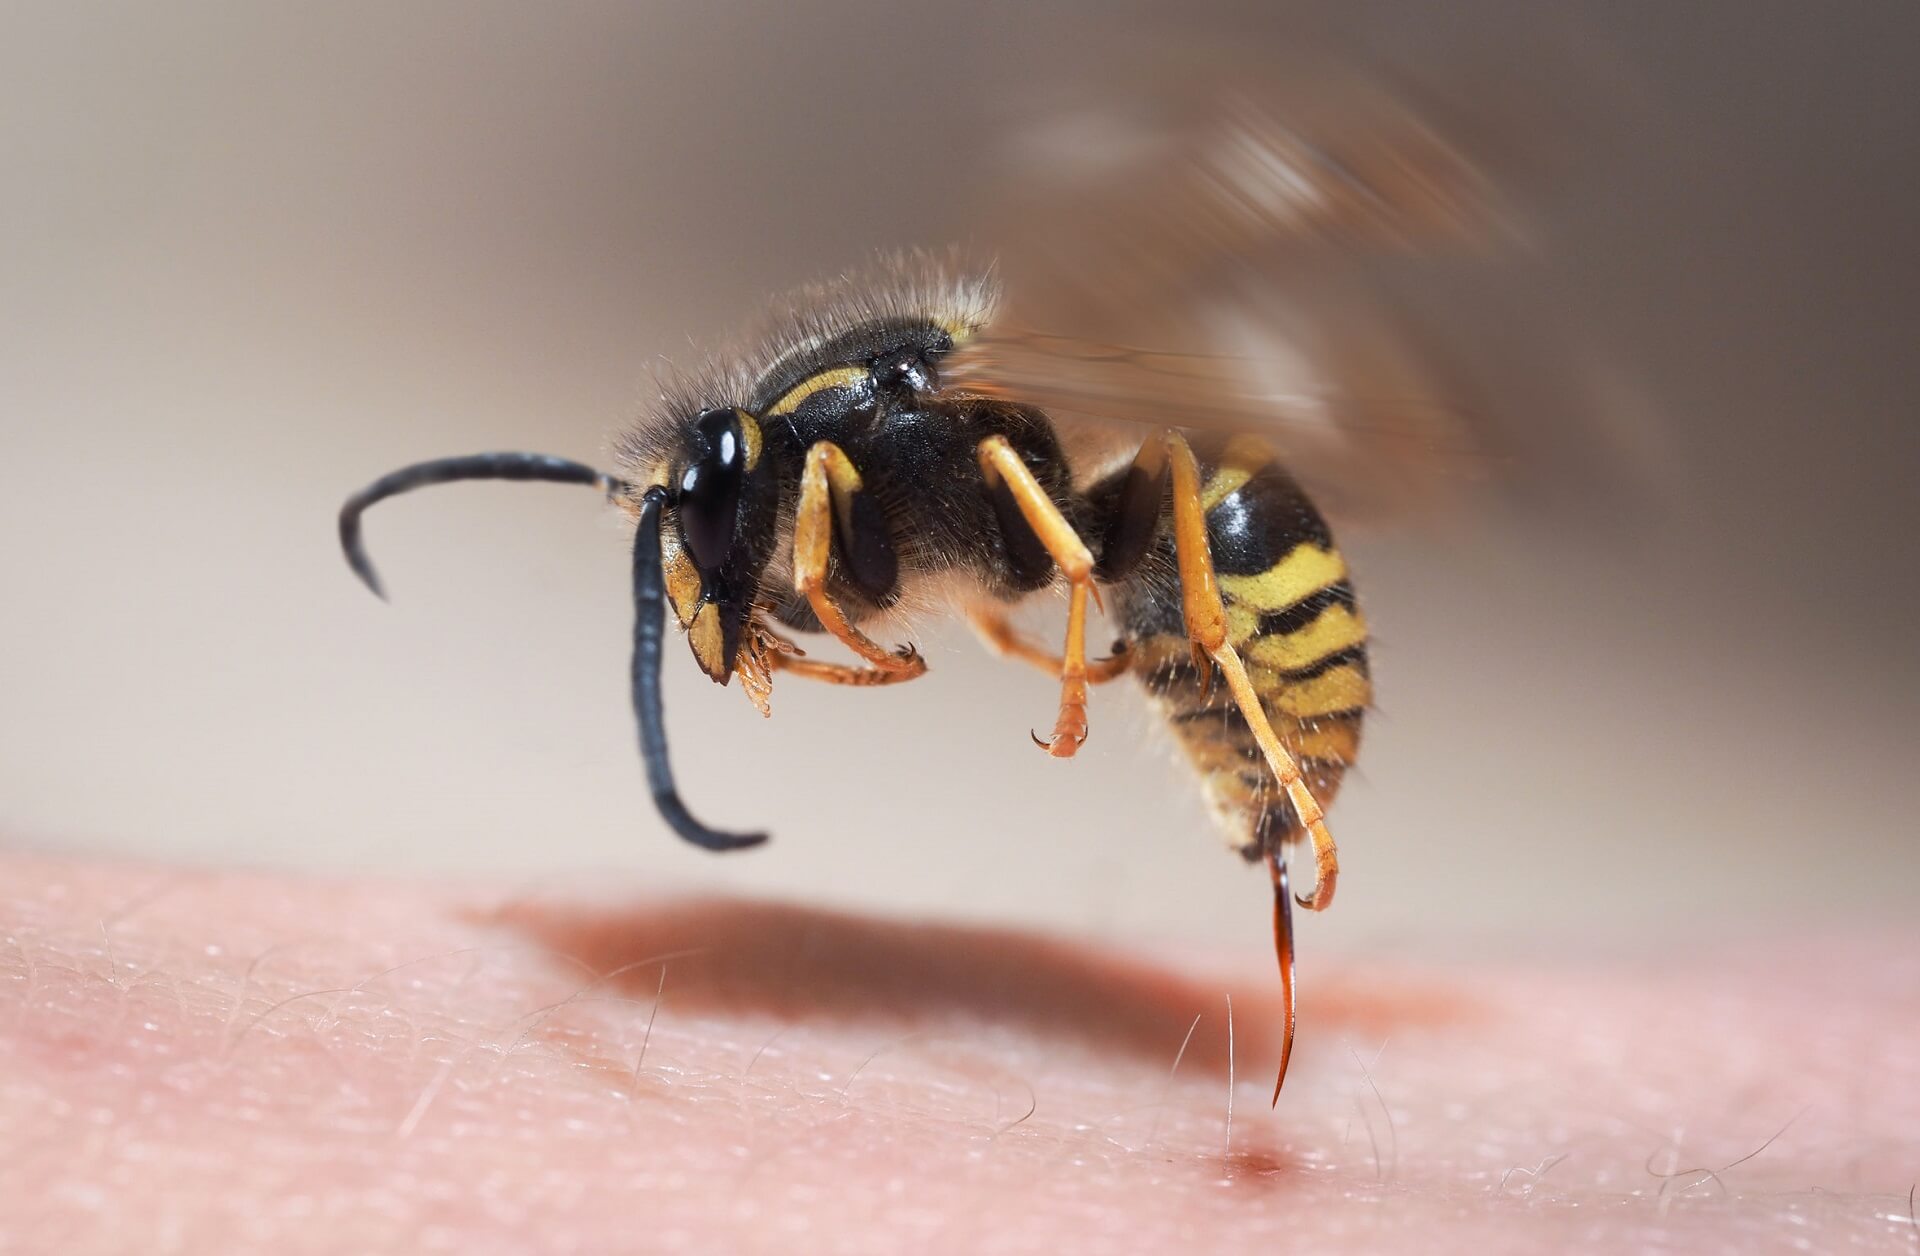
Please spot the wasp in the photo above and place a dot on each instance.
(888, 439)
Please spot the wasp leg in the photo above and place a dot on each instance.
(1004, 469)
(841, 673)
(1206, 617)
(1137, 510)
(831, 492)
(767, 651)
(780, 653)
(999, 635)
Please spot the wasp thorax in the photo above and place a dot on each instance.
(708, 502)
(909, 370)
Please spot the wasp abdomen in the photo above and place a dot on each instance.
(1292, 617)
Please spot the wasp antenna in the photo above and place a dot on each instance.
(649, 633)
(502, 466)
(1283, 951)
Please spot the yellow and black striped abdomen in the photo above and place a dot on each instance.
(1292, 616)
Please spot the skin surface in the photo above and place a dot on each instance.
(210, 1061)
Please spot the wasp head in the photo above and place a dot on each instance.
(715, 551)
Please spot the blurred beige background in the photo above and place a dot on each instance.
(251, 257)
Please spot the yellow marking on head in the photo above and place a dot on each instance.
(1300, 575)
(1334, 630)
(819, 381)
(682, 577)
(1345, 688)
(709, 644)
(750, 437)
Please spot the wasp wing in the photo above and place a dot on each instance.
(1329, 259)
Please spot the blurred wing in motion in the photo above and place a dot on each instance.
(1326, 259)
(1366, 425)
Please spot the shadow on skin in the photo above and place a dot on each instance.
(799, 963)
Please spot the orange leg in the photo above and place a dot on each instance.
(840, 673)
(828, 484)
(1002, 466)
(772, 651)
(1206, 617)
(991, 625)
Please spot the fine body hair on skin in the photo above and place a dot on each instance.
(196, 1061)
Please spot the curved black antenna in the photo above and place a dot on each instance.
(506, 466)
(649, 633)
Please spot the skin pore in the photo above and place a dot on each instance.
(201, 1060)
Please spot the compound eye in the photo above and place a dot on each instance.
(709, 497)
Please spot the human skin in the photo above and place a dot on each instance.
(199, 1060)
